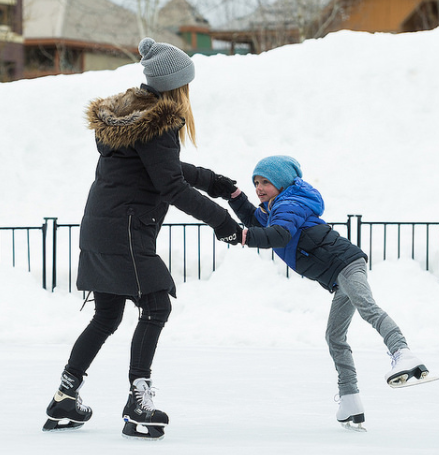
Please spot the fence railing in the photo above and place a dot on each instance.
(398, 239)
(192, 251)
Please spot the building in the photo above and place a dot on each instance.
(46, 37)
(184, 21)
(293, 21)
(73, 36)
(391, 16)
(11, 40)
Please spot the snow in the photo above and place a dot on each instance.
(242, 365)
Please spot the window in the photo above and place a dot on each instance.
(6, 15)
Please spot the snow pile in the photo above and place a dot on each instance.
(358, 111)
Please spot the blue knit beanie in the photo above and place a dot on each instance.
(281, 170)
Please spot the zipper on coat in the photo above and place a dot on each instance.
(139, 290)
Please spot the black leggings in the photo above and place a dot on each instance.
(109, 308)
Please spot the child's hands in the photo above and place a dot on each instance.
(222, 187)
(244, 236)
(229, 231)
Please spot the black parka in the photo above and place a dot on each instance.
(138, 175)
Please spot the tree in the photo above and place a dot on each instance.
(147, 15)
(426, 17)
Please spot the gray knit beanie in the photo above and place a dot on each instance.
(166, 66)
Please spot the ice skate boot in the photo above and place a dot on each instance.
(66, 411)
(142, 420)
(405, 366)
(351, 410)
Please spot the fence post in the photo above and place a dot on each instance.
(55, 227)
(359, 217)
(349, 227)
(44, 232)
(54, 244)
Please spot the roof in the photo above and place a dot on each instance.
(178, 13)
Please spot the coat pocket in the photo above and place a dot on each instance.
(143, 236)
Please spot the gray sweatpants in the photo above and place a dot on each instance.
(354, 293)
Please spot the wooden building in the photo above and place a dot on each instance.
(293, 21)
(11, 40)
(391, 16)
(73, 36)
(193, 30)
(45, 37)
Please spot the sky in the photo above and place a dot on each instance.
(359, 112)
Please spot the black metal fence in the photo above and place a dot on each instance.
(400, 239)
(192, 251)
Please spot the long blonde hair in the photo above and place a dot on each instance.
(269, 205)
(181, 97)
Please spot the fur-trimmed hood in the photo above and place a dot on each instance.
(138, 114)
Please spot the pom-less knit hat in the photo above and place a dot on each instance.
(281, 170)
(166, 66)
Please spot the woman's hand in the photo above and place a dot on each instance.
(222, 187)
(229, 231)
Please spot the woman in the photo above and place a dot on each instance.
(139, 174)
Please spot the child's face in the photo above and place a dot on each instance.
(265, 190)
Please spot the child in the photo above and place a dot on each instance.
(288, 220)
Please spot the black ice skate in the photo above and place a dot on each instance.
(351, 410)
(142, 420)
(66, 411)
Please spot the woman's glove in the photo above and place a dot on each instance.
(222, 187)
(229, 231)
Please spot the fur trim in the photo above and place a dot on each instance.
(121, 120)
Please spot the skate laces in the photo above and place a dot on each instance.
(144, 398)
(80, 406)
(395, 357)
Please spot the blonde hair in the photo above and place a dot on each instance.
(181, 97)
(269, 205)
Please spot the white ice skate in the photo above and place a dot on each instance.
(406, 366)
(351, 411)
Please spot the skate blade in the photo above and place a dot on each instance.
(142, 431)
(353, 427)
(61, 425)
(405, 381)
(418, 373)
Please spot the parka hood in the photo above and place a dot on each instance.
(138, 114)
(303, 193)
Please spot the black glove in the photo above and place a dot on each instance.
(229, 231)
(222, 187)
